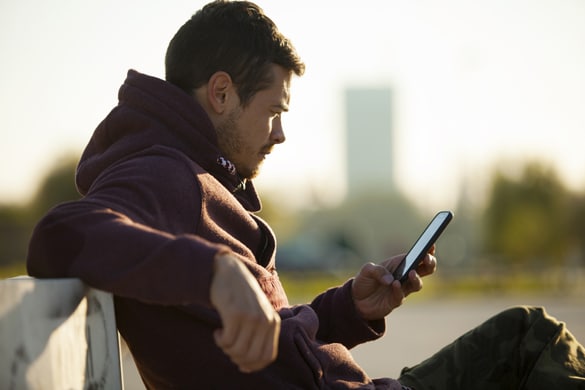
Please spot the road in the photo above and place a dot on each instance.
(419, 328)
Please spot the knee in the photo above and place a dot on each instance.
(525, 312)
(526, 317)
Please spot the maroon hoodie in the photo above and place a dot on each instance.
(159, 202)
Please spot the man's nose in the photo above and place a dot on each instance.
(277, 134)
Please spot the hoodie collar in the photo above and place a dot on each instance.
(152, 112)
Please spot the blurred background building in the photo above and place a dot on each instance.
(369, 141)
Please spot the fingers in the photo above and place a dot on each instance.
(414, 282)
(251, 346)
(263, 348)
(432, 250)
(251, 325)
(395, 295)
(428, 266)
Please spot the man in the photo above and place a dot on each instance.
(167, 225)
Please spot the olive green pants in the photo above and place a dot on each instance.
(520, 348)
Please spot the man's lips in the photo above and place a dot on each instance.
(266, 150)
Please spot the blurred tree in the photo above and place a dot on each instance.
(15, 227)
(17, 221)
(282, 220)
(57, 187)
(526, 219)
(577, 228)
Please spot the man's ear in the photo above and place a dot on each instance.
(220, 91)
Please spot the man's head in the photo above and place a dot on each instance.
(238, 66)
(235, 37)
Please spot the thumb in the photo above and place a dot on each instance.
(378, 273)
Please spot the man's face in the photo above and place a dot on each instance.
(248, 134)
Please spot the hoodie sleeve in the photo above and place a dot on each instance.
(128, 235)
(339, 321)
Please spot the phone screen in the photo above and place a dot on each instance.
(423, 244)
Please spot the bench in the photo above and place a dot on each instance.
(57, 334)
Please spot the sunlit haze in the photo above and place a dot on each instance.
(474, 83)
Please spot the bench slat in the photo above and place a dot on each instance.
(57, 334)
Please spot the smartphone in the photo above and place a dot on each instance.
(422, 246)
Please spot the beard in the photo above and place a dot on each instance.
(231, 143)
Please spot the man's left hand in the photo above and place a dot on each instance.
(376, 293)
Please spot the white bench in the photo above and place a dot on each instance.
(57, 334)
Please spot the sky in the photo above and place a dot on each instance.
(475, 84)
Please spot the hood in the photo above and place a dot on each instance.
(153, 112)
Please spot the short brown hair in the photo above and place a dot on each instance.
(231, 36)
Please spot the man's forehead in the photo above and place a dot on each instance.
(279, 90)
(286, 95)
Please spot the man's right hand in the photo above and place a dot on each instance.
(251, 325)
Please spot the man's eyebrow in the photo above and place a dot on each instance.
(281, 106)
